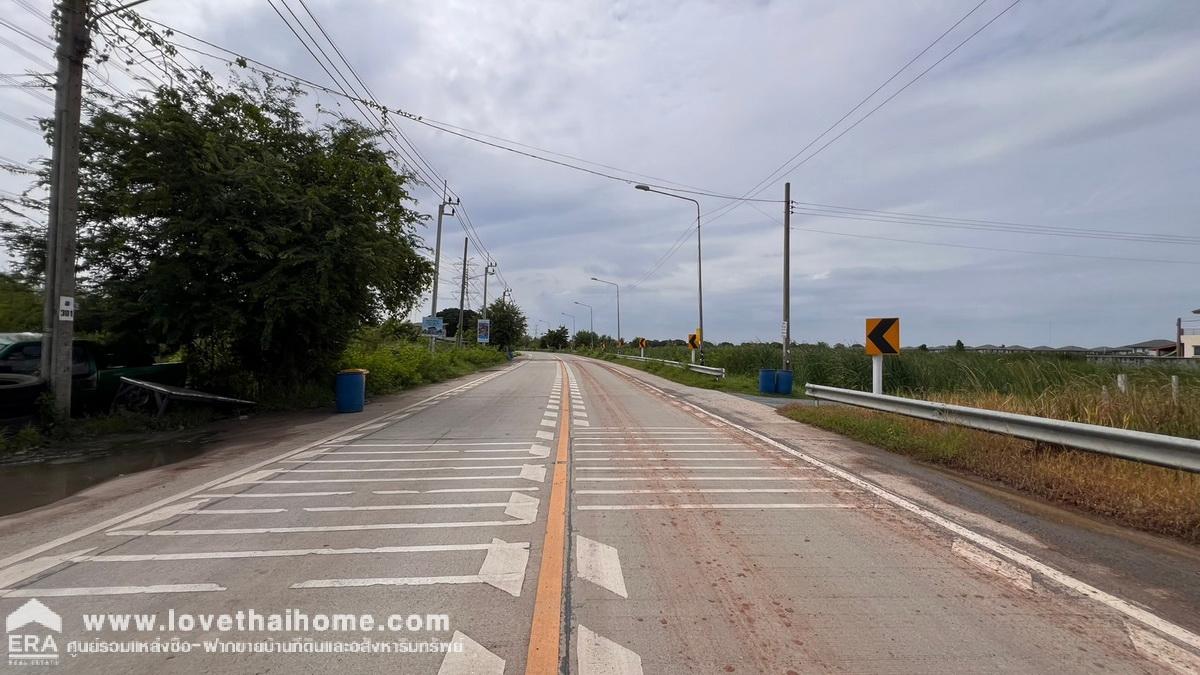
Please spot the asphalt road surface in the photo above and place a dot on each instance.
(556, 515)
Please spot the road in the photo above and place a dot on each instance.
(559, 514)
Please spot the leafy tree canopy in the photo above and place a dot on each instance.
(556, 339)
(20, 306)
(508, 323)
(450, 319)
(218, 220)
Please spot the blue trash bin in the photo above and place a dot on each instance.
(766, 380)
(350, 390)
(783, 382)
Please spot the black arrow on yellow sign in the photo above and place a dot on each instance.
(883, 336)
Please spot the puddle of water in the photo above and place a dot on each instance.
(28, 486)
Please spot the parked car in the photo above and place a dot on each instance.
(95, 378)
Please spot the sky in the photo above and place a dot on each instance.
(1075, 114)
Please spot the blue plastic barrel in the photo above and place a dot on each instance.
(783, 382)
(766, 380)
(350, 390)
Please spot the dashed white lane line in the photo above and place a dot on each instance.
(600, 656)
(474, 659)
(108, 590)
(508, 458)
(533, 472)
(302, 529)
(30, 568)
(481, 467)
(1162, 652)
(600, 564)
(455, 490)
(166, 512)
(503, 567)
(432, 446)
(1018, 576)
(272, 495)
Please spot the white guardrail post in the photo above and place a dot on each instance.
(1169, 451)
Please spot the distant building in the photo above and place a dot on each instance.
(1190, 341)
(1149, 348)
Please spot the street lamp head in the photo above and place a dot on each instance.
(640, 186)
(595, 279)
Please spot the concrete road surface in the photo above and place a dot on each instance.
(555, 515)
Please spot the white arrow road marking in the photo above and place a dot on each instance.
(288, 553)
(108, 590)
(1162, 652)
(30, 568)
(522, 506)
(600, 656)
(474, 659)
(1019, 577)
(545, 435)
(503, 567)
(534, 472)
(600, 564)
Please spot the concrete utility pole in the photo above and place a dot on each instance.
(787, 273)
(58, 309)
(437, 247)
(462, 297)
(488, 270)
(1179, 337)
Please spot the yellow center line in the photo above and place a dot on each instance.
(546, 632)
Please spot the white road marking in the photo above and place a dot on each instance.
(600, 656)
(1034, 565)
(489, 489)
(506, 458)
(231, 512)
(439, 446)
(108, 590)
(288, 553)
(545, 435)
(600, 564)
(581, 423)
(578, 413)
(346, 438)
(708, 507)
(522, 507)
(549, 423)
(22, 571)
(246, 479)
(474, 659)
(550, 414)
(373, 427)
(503, 567)
(313, 453)
(693, 491)
(528, 472)
(639, 428)
(1018, 576)
(167, 512)
(540, 451)
(266, 495)
(405, 507)
(1162, 652)
(320, 528)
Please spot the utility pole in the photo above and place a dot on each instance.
(1179, 337)
(437, 255)
(787, 273)
(462, 297)
(488, 270)
(58, 309)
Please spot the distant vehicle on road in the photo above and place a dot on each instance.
(96, 378)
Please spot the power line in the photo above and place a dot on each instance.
(1001, 250)
(784, 169)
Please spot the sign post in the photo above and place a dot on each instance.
(883, 337)
(642, 347)
(483, 331)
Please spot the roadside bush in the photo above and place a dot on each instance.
(395, 366)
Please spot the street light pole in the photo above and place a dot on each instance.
(618, 287)
(699, 264)
(572, 317)
(591, 321)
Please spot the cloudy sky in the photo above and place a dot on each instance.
(1064, 114)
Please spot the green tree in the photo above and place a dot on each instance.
(959, 346)
(20, 306)
(556, 339)
(450, 320)
(586, 338)
(508, 323)
(218, 220)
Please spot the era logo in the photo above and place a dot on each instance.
(29, 648)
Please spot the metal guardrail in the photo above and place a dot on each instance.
(1139, 446)
(707, 370)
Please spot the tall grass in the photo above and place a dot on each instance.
(396, 365)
